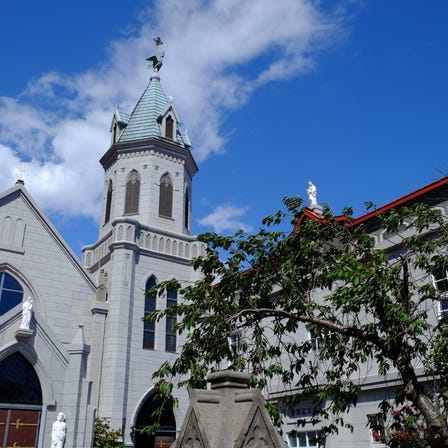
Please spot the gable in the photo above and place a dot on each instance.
(191, 434)
(37, 256)
(260, 432)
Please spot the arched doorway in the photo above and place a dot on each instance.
(20, 402)
(166, 432)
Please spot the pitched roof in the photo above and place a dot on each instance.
(424, 194)
(144, 120)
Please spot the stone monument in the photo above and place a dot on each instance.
(229, 415)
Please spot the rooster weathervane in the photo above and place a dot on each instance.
(156, 61)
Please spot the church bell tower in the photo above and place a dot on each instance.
(144, 238)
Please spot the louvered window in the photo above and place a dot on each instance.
(108, 203)
(149, 328)
(166, 197)
(132, 194)
(169, 127)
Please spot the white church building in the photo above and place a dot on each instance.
(86, 351)
(72, 335)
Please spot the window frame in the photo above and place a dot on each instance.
(132, 193)
(379, 422)
(296, 437)
(171, 321)
(166, 193)
(440, 284)
(169, 127)
(4, 275)
(150, 305)
(108, 201)
(187, 207)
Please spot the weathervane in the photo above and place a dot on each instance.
(156, 61)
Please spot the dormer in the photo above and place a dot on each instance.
(119, 123)
(169, 121)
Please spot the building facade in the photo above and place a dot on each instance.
(375, 387)
(86, 351)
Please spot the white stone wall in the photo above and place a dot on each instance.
(151, 166)
(62, 291)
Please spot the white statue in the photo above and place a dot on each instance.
(27, 311)
(312, 194)
(58, 431)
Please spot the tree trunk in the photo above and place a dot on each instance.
(437, 428)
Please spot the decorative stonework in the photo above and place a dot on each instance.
(228, 416)
(192, 437)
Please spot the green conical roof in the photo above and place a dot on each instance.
(144, 122)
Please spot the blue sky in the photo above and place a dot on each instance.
(349, 94)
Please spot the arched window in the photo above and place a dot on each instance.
(11, 293)
(132, 194)
(170, 335)
(19, 383)
(169, 127)
(187, 209)
(149, 328)
(166, 196)
(108, 202)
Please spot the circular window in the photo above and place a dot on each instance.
(11, 293)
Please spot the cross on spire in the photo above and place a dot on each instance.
(21, 169)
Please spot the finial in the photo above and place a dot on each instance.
(156, 61)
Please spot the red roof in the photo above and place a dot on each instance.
(411, 197)
(403, 200)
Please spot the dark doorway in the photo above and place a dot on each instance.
(166, 431)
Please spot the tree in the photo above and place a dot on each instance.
(105, 436)
(362, 303)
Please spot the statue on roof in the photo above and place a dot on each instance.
(312, 194)
(156, 61)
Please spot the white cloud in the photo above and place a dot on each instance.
(224, 217)
(60, 125)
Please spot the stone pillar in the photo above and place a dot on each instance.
(76, 389)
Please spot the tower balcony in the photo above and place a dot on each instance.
(130, 233)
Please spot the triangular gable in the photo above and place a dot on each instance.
(258, 430)
(119, 118)
(19, 193)
(191, 434)
(169, 109)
